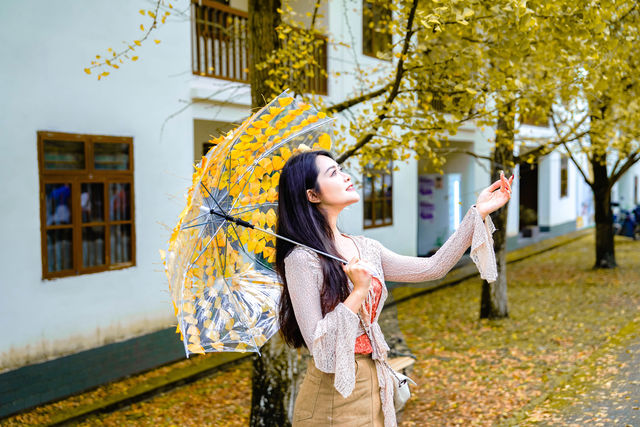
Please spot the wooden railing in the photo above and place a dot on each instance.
(220, 45)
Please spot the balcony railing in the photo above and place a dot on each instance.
(220, 46)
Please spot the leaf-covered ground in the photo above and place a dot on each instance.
(470, 372)
(475, 372)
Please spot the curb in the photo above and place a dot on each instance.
(211, 365)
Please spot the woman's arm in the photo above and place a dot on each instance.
(472, 231)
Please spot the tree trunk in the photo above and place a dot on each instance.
(493, 303)
(605, 249)
(276, 371)
(263, 40)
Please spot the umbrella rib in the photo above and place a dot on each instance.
(250, 208)
(212, 198)
(245, 251)
(194, 219)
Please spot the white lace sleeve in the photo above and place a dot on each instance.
(472, 231)
(331, 339)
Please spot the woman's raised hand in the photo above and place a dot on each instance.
(359, 274)
(495, 196)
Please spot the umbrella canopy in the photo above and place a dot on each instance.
(224, 289)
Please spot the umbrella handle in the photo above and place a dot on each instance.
(249, 225)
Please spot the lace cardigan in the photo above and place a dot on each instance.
(331, 338)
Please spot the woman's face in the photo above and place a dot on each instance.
(336, 188)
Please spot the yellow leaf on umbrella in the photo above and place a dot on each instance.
(187, 307)
(274, 111)
(275, 178)
(229, 325)
(260, 124)
(312, 119)
(194, 339)
(260, 245)
(322, 115)
(241, 346)
(325, 141)
(285, 153)
(266, 183)
(304, 122)
(253, 131)
(281, 124)
(278, 162)
(207, 323)
(217, 346)
(246, 138)
(285, 101)
(268, 251)
(195, 348)
(271, 218)
(271, 131)
(234, 335)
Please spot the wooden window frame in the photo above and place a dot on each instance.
(76, 178)
(370, 37)
(387, 200)
(564, 176)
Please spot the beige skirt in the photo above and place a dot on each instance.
(319, 404)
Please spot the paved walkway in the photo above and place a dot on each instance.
(615, 399)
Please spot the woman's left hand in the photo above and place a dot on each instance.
(495, 196)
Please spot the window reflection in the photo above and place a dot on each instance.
(58, 208)
(119, 196)
(59, 250)
(120, 243)
(92, 202)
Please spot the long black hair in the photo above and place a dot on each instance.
(302, 221)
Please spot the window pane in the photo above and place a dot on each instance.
(59, 250)
(92, 201)
(119, 197)
(378, 211)
(63, 155)
(120, 243)
(58, 199)
(111, 156)
(92, 246)
(368, 187)
(388, 210)
(367, 211)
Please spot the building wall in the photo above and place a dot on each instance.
(44, 88)
(554, 210)
(628, 193)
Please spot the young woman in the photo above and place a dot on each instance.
(325, 303)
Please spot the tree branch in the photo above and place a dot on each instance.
(574, 161)
(337, 108)
(394, 89)
(633, 159)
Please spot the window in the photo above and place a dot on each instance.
(564, 176)
(376, 37)
(86, 203)
(378, 198)
(220, 48)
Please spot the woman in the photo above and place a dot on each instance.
(325, 304)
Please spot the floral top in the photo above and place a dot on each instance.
(332, 338)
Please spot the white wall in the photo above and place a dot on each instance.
(44, 88)
(625, 188)
(552, 208)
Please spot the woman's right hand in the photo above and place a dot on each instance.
(360, 275)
